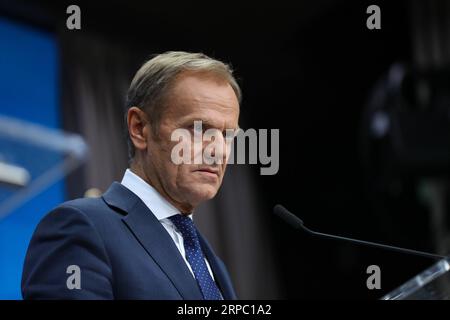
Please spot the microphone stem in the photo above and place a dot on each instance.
(372, 244)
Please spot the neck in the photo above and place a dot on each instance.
(137, 169)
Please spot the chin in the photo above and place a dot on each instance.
(203, 193)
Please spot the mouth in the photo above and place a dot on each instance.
(209, 172)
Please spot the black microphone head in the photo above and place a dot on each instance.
(288, 217)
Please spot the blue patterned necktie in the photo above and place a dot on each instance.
(195, 257)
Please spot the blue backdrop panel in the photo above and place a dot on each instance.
(29, 91)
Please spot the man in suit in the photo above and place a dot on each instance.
(138, 240)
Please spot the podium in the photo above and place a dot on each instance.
(431, 284)
(33, 157)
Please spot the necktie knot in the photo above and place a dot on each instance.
(185, 225)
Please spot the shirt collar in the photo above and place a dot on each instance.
(158, 205)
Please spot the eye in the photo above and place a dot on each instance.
(228, 134)
(197, 128)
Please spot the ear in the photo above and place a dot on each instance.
(138, 127)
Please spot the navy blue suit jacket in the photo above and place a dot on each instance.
(122, 250)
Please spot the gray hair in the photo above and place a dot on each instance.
(152, 82)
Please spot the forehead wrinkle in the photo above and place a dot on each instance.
(207, 105)
(204, 110)
(206, 121)
(208, 96)
(206, 101)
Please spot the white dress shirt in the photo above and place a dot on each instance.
(160, 207)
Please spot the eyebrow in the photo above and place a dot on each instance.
(205, 122)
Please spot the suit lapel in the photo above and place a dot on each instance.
(154, 238)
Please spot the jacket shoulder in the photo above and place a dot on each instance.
(93, 211)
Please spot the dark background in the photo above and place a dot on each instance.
(306, 68)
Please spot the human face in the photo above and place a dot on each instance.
(193, 97)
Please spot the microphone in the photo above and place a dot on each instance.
(297, 224)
